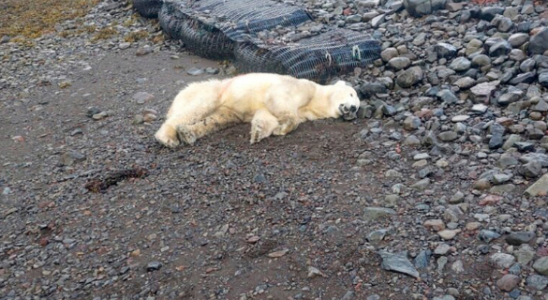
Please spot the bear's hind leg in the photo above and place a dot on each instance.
(287, 123)
(262, 125)
(191, 105)
(220, 119)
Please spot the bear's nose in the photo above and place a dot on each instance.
(353, 108)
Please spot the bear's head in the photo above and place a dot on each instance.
(344, 99)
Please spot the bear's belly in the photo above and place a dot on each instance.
(245, 109)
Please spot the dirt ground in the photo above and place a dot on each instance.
(282, 219)
(201, 209)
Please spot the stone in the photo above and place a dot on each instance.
(436, 225)
(389, 53)
(489, 13)
(460, 118)
(502, 260)
(501, 178)
(479, 108)
(399, 63)
(422, 259)
(510, 141)
(500, 48)
(154, 266)
(445, 50)
(487, 235)
(423, 7)
(524, 254)
(447, 96)
(520, 237)
(541, 106)
(539, 188)
(371, 88)
(508, 98)
(143, 51)
(517, 55)
(448, 136)
(481, 60)
(543, 79)
(374, 213)
(457, 267)
(442, 249)
(460, 64)
(541, 265)
(71, 157)
(412, 123)
(502, 23)
(142, 97)
(537, 282)
(527, 65)
(195, 71)
(508, 282)
(518, 39)
(531, 169)
(448, 234)
(377, 21)
(410, 77)
(212, 71)
(377, 235)
(353, 19)
(482, 92)
(539, 157)
(398, 263)
(528, 77)
(538, 43)
(419, 39)
(465, 82)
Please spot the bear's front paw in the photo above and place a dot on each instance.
(167, 136)
(257, 133)
(186, 135)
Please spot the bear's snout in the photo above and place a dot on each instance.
(348, 112)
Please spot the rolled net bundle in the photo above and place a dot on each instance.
(198, 35)
(228, 29)
(318, 58)
(212, 27)
(148, 8)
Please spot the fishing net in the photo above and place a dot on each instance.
(199, 36)
(318, 58)
(230, 29)
(148, 8)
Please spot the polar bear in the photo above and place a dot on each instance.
(274, 105)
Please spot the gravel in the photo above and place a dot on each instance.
(443, 178)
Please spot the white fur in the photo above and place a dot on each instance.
(273, 104)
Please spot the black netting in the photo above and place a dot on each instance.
(148, 8)
(200, 37)
(319, 57)
(228, 29)
(238, 19)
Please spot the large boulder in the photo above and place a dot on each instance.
(539, 42)
(423, 7)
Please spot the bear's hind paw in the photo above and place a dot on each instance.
(186, 135)
(164, 138)
(256, 133)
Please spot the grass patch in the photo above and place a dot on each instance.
(135, 36)
(33, 18)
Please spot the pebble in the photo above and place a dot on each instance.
(398, 262)
(195, 71)
(502, 260)
(508, 282)
(541, 266)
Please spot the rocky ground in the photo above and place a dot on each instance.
(438, 191)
